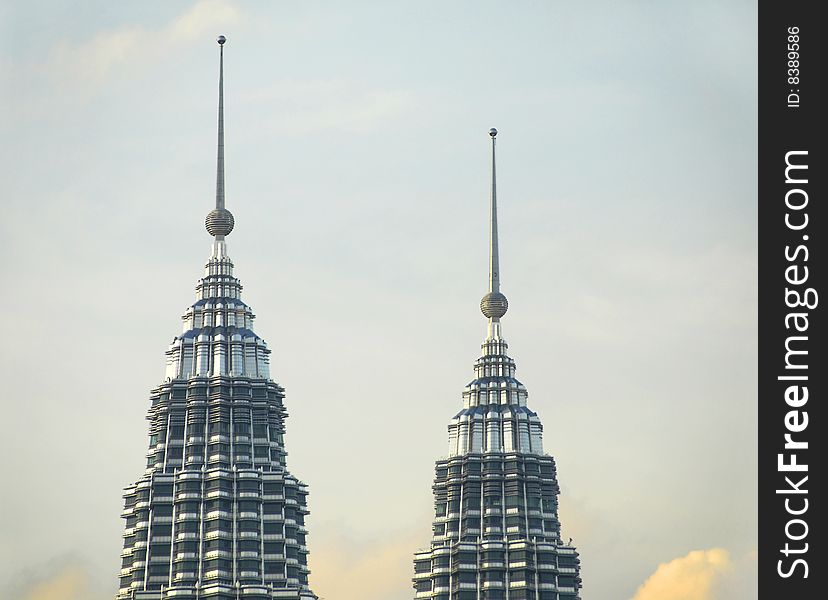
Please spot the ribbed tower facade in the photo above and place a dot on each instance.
(216, 515)
(496, 534)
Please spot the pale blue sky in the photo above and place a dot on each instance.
(357, 170)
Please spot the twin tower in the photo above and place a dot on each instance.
(218, 516)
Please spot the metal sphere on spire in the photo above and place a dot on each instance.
(219, 221)
(493, 132)
(494, 305)
(221, 39)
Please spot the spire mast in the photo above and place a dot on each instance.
(220, 153)
(220, 221)
(494, 260)
(494, 304)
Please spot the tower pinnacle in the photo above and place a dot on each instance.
(220, 221)
(216, 513)
(496, 493)
(494, 304)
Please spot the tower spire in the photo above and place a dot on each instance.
(496, 422)
(220, 153)
(494, 304)
(217, 356)
(494, 261)
(220, 221)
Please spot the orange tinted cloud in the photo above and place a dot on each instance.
(344, 570)
(692, 577)
(70, 583)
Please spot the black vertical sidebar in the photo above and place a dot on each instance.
(793, 226)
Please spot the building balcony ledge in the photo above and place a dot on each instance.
(186, 556)
(249, 574)
(218, 514)
(187, 517)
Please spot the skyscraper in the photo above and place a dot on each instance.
(216, 515)
(496, 529)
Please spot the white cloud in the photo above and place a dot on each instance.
(202, 18)
(339, 105)
(85, 65)
(90, 61)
